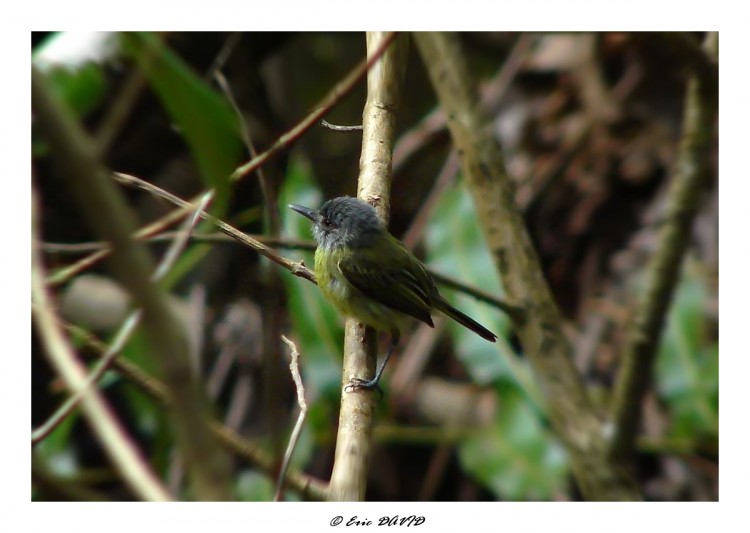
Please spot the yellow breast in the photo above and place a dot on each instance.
(349, 300)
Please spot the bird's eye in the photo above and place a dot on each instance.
(326, 222)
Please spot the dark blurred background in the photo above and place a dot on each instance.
(589, 124)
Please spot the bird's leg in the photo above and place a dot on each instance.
(358, 383)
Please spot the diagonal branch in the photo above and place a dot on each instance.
(333, 98)
(296, 268)
(254, 453)
(692, 175)
(123, 334)
(541, 333)
(115, 441)
(336, 94)
(107, 213)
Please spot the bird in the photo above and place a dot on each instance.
(369, 275)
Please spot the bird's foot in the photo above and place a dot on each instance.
(356, 384)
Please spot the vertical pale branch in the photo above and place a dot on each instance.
(691, 177)
(349, 477)
(379, 122)
(108, 215)
(541, 333)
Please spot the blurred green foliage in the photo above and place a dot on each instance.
(318, 329)
(455, 247)
(211, 131)
(687, 367)
(81, 84)
(203, 116)
(514, 457)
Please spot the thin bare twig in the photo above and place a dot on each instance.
(119, 110)
(221, 58)
(333, 98)
(266, 186)
(273, 242)
(182, 238)
(296, 268)
(336, 127)
(297, 431)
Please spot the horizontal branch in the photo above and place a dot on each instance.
(213, 238)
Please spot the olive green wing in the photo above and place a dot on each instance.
(400, 283)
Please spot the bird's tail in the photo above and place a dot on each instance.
(464, 320)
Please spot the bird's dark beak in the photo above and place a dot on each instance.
(305, 212)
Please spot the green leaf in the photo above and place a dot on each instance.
(205, 119)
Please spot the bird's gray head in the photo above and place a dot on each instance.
(343, 221)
